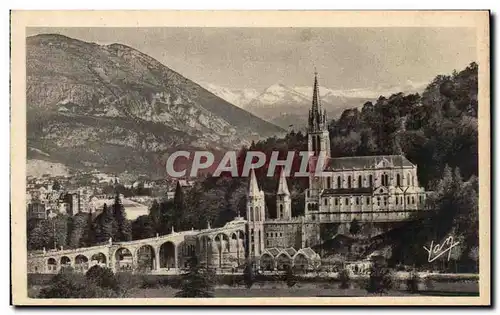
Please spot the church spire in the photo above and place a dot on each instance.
(253, 187)
(316, 106)
(283, 186)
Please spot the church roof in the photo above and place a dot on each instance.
(308, 252)
(360, 162)
(273, 251)
(283, 186)
(290, 251)
(253, 187)
(347, 191)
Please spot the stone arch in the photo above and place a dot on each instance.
(251, 218)
(51, 265)
(206, 242)
(65, 261)
(301, 262)
(222, 246)
(146, 258)
(283, 261)
(168, 255)
(81, 262)
(267, 262)
(398, 180)
(99, 258)
(124, 259)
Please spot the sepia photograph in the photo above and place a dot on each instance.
(169, 155)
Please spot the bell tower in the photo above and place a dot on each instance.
(319, 150)
(255, 218)
(318, 136)
(283, 201)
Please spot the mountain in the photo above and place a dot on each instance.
(285, 106)
(238, 97)
(371, 93)
(113, 107)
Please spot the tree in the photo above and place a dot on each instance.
(344, 278)
(56, 185)
(179, 207)
(290, 278)
(155, 216)
(60, 230)
(143, 227)
(121, 230)
(65, 284)
(102, 277)
(197, 281)
(88, 238)
(103, 225)
(78, 224)
(249, 274)
(412, 281)
(39, 234)
(355, 227)
(380, 278)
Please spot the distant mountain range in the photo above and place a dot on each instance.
(114, 108)
(285, 106)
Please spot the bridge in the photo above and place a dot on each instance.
(161, 254)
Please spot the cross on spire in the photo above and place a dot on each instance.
(316, 106)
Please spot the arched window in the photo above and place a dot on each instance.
(386, 179)
(360, 181)
(328, 182)
(408, 180)
(412, 199)
(398, 180)
(326, 201)
(349, 181)
(371, 180)
(251, 214)
(338, 182)
(281, 211)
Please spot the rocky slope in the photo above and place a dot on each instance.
(111, 106)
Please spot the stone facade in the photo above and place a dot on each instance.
(366, 188)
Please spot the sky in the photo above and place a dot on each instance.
(345, 58)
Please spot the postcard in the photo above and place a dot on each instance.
(250, 158)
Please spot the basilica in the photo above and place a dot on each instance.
(369, 189)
